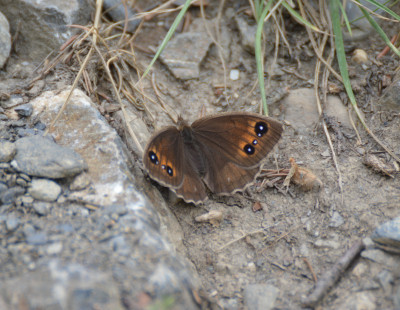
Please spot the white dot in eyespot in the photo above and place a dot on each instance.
(163, 167)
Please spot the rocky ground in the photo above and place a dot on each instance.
(82, 227)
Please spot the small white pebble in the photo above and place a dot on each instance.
(360, 56)
(234, 75)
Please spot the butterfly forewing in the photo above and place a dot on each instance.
(242, 138)
(163, 157)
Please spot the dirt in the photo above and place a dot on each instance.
(277, 244)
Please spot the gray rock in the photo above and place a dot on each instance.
(80, 182)
(71, 287)
(26, 200)
(396, 298)
(9, 195)
(12, 224)
(390, 99)
(358, 301)
(336, 220)
(260, 296)
(117, 10)
(21, 182)
(7, 151)
(3, 188)
(46, 190)
(54, 248)
(5, 40)
(361, 28)
(389, 261)
(38, 156)
(46, 28)
(388, 234)
(324, 243)
(37, 238)
(386, 280)
(12, 102)
(248, 33)
(42, 207)
(85, 129)
(300, 109)
(184, 54)
(24, 110)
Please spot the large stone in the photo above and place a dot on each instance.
(42, 25)
(41, 157)
(184, 53)
(5, 40)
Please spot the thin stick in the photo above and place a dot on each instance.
(311, 269)
(331, 276)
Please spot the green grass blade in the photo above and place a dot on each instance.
(168, 36)
(384, 8)
(341, 55)
(299, 17)
(346, 20)
(380, 31)
(259, 56)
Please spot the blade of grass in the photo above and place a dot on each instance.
(384, 8)
(341, 56)
(380, 31)
(258, 53)
(298, 17)
(346, 20)
(168, 36)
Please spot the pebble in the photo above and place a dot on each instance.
(12, 102)
(21, 182)
(54, 248)
(119, 12)
(323, 243)
(382, 258)
(388, 234)
(42, 207)
(358, 301)
(41, 157)
(184, 53)
(12, 224)
(9, 196)
(386, 280)
(234, 75)
(7, 151)
(260, 296)
(301, 112)
(248, 33)
(37, 238)
(80, 182)
(3, 188)
(42, 189)
(26, 200)
(336, 220)
(24, 110)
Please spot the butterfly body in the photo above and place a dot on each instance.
(223, 152)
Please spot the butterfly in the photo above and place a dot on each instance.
(222, 152)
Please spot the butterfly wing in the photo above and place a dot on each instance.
(165, 161)
(235, 145)
(163, 157)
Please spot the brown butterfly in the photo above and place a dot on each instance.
(223, 151)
